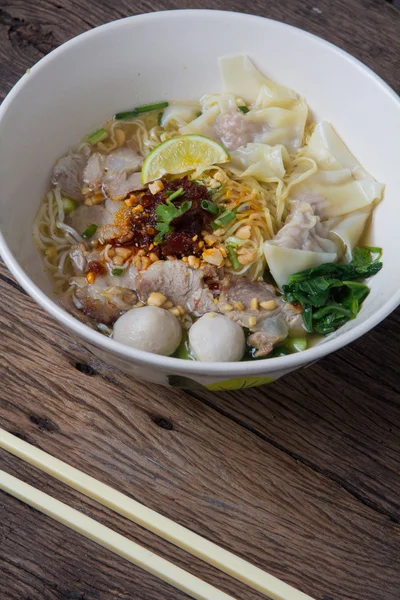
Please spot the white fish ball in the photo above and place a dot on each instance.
(216, 338)
(149, 328)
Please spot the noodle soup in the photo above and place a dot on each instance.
(217, 231)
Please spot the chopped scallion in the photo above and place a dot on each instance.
(69, 205)
(244, 109)
(131, 114)
(150, 107)
(296, 344)
(224, 219)
(210, 207)
(159, 118)
(174, 195)
(116, 271)
(98, 136)
(198, 114)
(232, 256)
(89, 232)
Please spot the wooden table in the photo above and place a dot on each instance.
(300, 477)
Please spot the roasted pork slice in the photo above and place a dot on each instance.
(248, 302)
(181, 284)
(68, 173)
(100, 301)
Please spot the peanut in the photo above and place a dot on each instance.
(156, 186)
(213, 257)
(268, 304)
(156, 299)
(254, 304)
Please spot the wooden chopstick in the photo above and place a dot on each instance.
(136, 554)
(193, 543)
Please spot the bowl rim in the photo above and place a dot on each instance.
(166, 363)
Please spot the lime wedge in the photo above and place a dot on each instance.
(180, 154)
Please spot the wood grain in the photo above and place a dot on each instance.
(300, 477)
(177, 455)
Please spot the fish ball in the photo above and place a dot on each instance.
(215, 338)
(149, 328)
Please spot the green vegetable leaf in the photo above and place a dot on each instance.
(331, 294)
(365, 256)
(307, 318)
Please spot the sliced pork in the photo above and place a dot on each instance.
(237, 296)
(181, 284)
(68, 175)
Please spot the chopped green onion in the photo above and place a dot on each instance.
(175, 195)
(89, 232)
(296, 344)
(224, 219)
(130, 114)
(117, 271)
(210, 207)
(150, 107)
(69, 205)
(232, 256)
(97, 136)
(244, 109)
(198, 114)
(159, 118)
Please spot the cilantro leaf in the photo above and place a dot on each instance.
(167, 212)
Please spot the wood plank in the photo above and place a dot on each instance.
(182, 458)
(368, 29)
(340, 416)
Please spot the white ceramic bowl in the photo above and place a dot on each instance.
(173, 55)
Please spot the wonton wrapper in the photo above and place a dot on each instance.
(242, 79)
(280, 109)
(277, 115)
(349, 230)
(281, 125)
(283, 262)
(300, 244)
(260, 161)
(180, 113)
(204, 124)
(341, 184)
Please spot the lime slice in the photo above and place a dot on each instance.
(180, 154)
